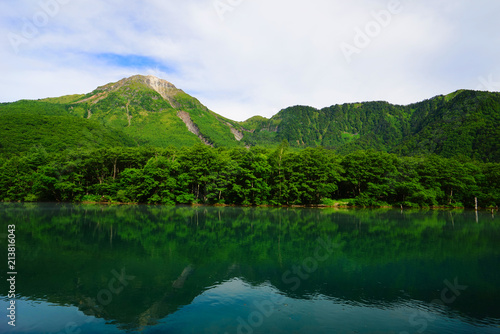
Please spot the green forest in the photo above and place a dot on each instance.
(460, 124)
(142, 140)
(202, 174)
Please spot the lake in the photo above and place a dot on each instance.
(160, 269)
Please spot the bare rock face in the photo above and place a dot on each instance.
(166, 89)
(238, 135)
(157, 83)
(192, 127)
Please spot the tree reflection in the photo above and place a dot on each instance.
(177, 253)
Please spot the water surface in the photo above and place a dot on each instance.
(158, 269)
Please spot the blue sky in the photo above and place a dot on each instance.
(131, 61)
(243, 58)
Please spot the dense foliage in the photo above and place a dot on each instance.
(20, 131)
(136, 112)
(126, 142)
(240, 176)
(460, 124)
(126, 113)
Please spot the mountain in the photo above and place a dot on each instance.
(460, 124)
(154, 112)
(463, 123)
(135, 111)
(26, 124)
(148, 111)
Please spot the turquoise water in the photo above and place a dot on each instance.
(156, 269)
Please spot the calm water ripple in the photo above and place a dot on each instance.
(157, 269)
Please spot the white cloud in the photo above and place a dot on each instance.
(264, 55)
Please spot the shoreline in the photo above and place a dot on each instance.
(294, 206)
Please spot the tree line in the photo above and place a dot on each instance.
(240, 176)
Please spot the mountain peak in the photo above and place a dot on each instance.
(148, 80)
(166, 89)
(152, 81)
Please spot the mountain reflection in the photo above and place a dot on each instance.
(135, 266)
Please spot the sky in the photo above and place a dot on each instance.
(243, 58)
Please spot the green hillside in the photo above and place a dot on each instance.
(365, 125)
(147, 111)
(26, 124)
(142, 140)
(137, 110)
(140, 111)
(465, 124)
(460, 124)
